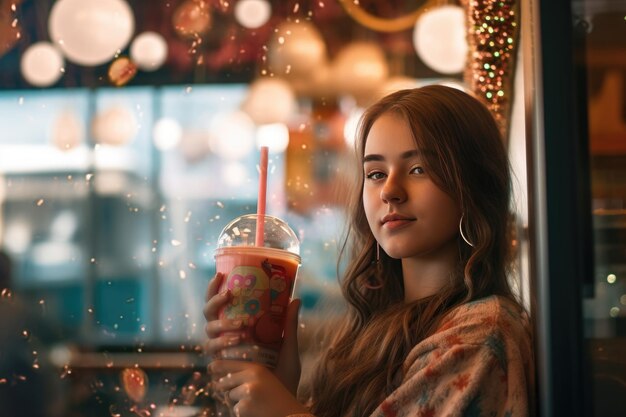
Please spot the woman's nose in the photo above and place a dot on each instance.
(392, 190)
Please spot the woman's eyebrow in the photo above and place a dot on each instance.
(373, 157)
(410, 154)
(404, 155)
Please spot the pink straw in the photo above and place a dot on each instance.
(260, 208)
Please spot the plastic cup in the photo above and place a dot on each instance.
(261, 281)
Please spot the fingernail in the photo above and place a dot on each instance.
(233, 340)
(237, 323)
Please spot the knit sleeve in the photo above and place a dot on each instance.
(462, 380)
(478, 363)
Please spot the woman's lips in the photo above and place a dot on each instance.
(394, 221)
(396, 224)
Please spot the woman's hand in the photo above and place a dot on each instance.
(253, 389)
(215, 327)
(288, 367)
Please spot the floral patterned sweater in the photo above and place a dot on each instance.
(479, 363)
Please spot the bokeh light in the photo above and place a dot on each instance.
(252, 13)
(121, 71)
(275, 136)
(91, 32)
(67, 131)
(360, 69)
(270, 100)
(167, 134)
(231, 135)
(192, 19)
(134, 381)
(234, 173)
(439, 37)
(114, 126)
(42, 64)
(148, 51)
(296, 50)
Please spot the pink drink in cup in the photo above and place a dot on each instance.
(261, 280)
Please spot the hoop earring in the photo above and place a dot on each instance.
(465, 239)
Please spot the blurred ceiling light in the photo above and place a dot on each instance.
(275, 136)
(167, 134)
(270, 100)
(440, 39)
(91, 32)
(114, 126)
(42, 64)
(192, 19)
(231, 135)
(149, 51)
(359, 70)
(296, 50)
(67, 131)
(252, 13)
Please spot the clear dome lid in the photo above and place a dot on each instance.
(242, 232)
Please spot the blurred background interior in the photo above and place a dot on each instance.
(130, 134)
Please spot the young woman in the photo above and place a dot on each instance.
(433, 327)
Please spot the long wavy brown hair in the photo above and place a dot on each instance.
(465, 156)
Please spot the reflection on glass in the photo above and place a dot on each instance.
(111, 219)
(604, 33)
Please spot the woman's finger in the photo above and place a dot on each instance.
(244, 407)
(239, 393)
(219, 368)
(213, 346)
(230, 381)
(215, 328)
(215, 303)
(214, 286)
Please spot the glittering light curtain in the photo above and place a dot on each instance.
(493, 27)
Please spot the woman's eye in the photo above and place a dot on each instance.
(375, 175)
(417, 170)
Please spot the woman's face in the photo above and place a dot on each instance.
(408, 214)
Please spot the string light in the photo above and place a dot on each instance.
(492, 38)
